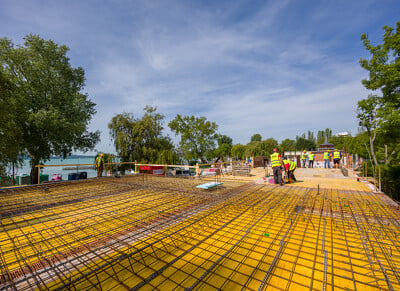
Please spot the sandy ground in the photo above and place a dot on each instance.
(325, 178)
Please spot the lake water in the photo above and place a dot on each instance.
(26, 169)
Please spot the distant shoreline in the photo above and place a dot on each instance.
(67, 158)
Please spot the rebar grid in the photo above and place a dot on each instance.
(157, 233)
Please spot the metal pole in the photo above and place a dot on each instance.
(38, 175)
(365, 170)
(380, 179)
(13, 173)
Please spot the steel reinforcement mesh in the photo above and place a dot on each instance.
(152, 233)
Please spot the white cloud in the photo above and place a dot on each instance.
(250, 69)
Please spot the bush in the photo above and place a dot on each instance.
(369, 169)
(390, 180)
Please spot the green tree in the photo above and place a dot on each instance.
(310, 136)
(323, 135)
(224, 145)
(261, 148)
(255, 137)
(238, 151)
(383, 67)
(288, 145)
(141, 139)
(198, 136)
(380, 115)
(269, 145)
(49, 107)
(224, 139)
(367, 114)
(355, 145)
(224, 149)
(304, 144)
(10, 134)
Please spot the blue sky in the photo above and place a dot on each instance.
(277, 68)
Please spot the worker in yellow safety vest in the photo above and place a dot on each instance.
(303, 159)
(327, 159)
(289, 167)
(311, 160)
(336, 158)
(99, 164)
(276, 163)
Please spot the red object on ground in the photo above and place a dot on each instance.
(155, 170)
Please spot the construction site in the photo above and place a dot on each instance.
(326, 231)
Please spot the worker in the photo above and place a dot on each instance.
(289, 167)
(99, 165)
(336, 158)
(276, 163)
(311, 160)
(327, 159)
(303, 159)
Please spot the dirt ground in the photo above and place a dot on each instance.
(325, 178)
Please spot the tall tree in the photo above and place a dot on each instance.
(141, 139)
(261, 148)
(10, 134)
(304, 144)
(255, 137)
(383, 112)
(323, 135)
(238, 151)
(310, 136)
(224, 145)
(198, 135)
(50, 108)
(288, 145)
(224, 139)
(384, 65)
(367, 114)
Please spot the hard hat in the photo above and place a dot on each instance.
(310, 152)
(102, 155)
(275, 150)
(335, 149)
(328, 151)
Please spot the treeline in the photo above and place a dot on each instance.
(142, 139)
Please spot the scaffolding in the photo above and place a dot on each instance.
(146, 232)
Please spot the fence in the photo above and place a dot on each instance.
(199, 168)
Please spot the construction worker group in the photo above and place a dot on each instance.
(327, 159)
(278, 164)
